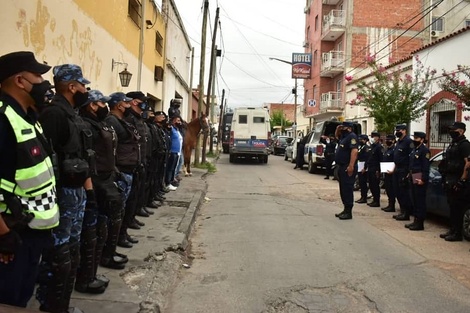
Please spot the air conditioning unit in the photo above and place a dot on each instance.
(305, 44)
(435, 33)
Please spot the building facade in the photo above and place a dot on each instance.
(340, 34)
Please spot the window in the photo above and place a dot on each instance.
(315, 57)
(339, 46)
(159, 43)
(442, 114)
(135, 11)
(316, 22)
(258, 119)
(467, 23)
(315, 92)
(339, 85)
(243, 119)
(437, 24)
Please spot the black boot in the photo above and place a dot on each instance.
(389, 208)
(122, 240)
(362, 200)
(454, 237)
(149, 212)
(141, 224)
(347, 215)
(374, 204)
(417, 225)
(74, 262)
(86, 281)
(444, 235)
(410, 224)
(340, 213)
(403, 217)
(141, 212)
(101, 239)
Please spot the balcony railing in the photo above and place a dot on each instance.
(331, 2)
(331, 102)
(332, 63)
(334, 25)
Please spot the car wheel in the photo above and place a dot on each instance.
(311, 167)
(466, 225)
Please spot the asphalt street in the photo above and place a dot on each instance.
(267, 241)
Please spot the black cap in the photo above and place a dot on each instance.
(137, 95)
(375, 134)
(400, 127)
(458, 125)
(347, 124)
(419, 134)
(159, 113)
(16, 62)
(390, 137)
(363, 137)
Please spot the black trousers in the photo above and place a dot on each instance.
(402, 191)
(457, 201)
(346, 186)
(362, 177)
(328, 162)
(418, 193)
(389, 189)
(374, 183)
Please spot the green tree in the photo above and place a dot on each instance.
(393, 98)
(278, 119)
(460, 88)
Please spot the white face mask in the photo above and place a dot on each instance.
(372, 140)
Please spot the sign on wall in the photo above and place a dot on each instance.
(301, 65)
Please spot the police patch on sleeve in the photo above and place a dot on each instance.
(428, 155)
(353, 141)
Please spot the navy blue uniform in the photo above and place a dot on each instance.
(342, 158)
(373, 170)
(362, 156)
(419, 165)
(401, 157)
(388, 157)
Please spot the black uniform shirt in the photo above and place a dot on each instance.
(419, 161)
(363, 153)
(55, 122)
(401, 155)
(8, 138)
(388, 154)
(343, 152)
(375, 157)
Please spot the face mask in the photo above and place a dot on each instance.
(79, 98)
(127, 111)
(372, 141)
(388, 143)
(454, 134)
(416, 143)
(344, 132)
(102, 112)
(398, 134)
(38, 92)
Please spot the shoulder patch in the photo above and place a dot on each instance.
(353, 141)
(428, 155)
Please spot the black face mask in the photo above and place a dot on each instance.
(344, 132)
(79, 98)
(454, 134)
(102, 112)
(416, 143)
(127, 111)
(38, 92)
(398, 134)
(388, 143)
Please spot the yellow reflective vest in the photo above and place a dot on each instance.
(34, 181)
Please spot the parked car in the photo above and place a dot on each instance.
(288, 154)
(280, 144)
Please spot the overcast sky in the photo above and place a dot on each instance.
(250, 32)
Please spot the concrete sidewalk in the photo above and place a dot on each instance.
(155, 261)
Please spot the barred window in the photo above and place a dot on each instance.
(159, 43)
(135, 11)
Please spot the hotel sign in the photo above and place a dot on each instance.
(301, 65)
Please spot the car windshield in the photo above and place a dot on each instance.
(282, 139)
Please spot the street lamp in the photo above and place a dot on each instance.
(294, 91)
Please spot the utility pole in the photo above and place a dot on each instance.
(201, 76)
(213, 102)
(221, 115)
(190, 100)
(141, 45)
(209, 84)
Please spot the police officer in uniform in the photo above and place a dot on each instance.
(174, 109)
(453, 170)
(419, 177)
(71, 141)
(401, 157)
(127, 160)
(330, 147)
(388, 177)
(25, 226)
(373, 169)
(161, 154)
(362, 156)
(346, 156)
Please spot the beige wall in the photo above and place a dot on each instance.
(85, 32)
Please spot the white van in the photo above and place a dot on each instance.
(250, 134)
